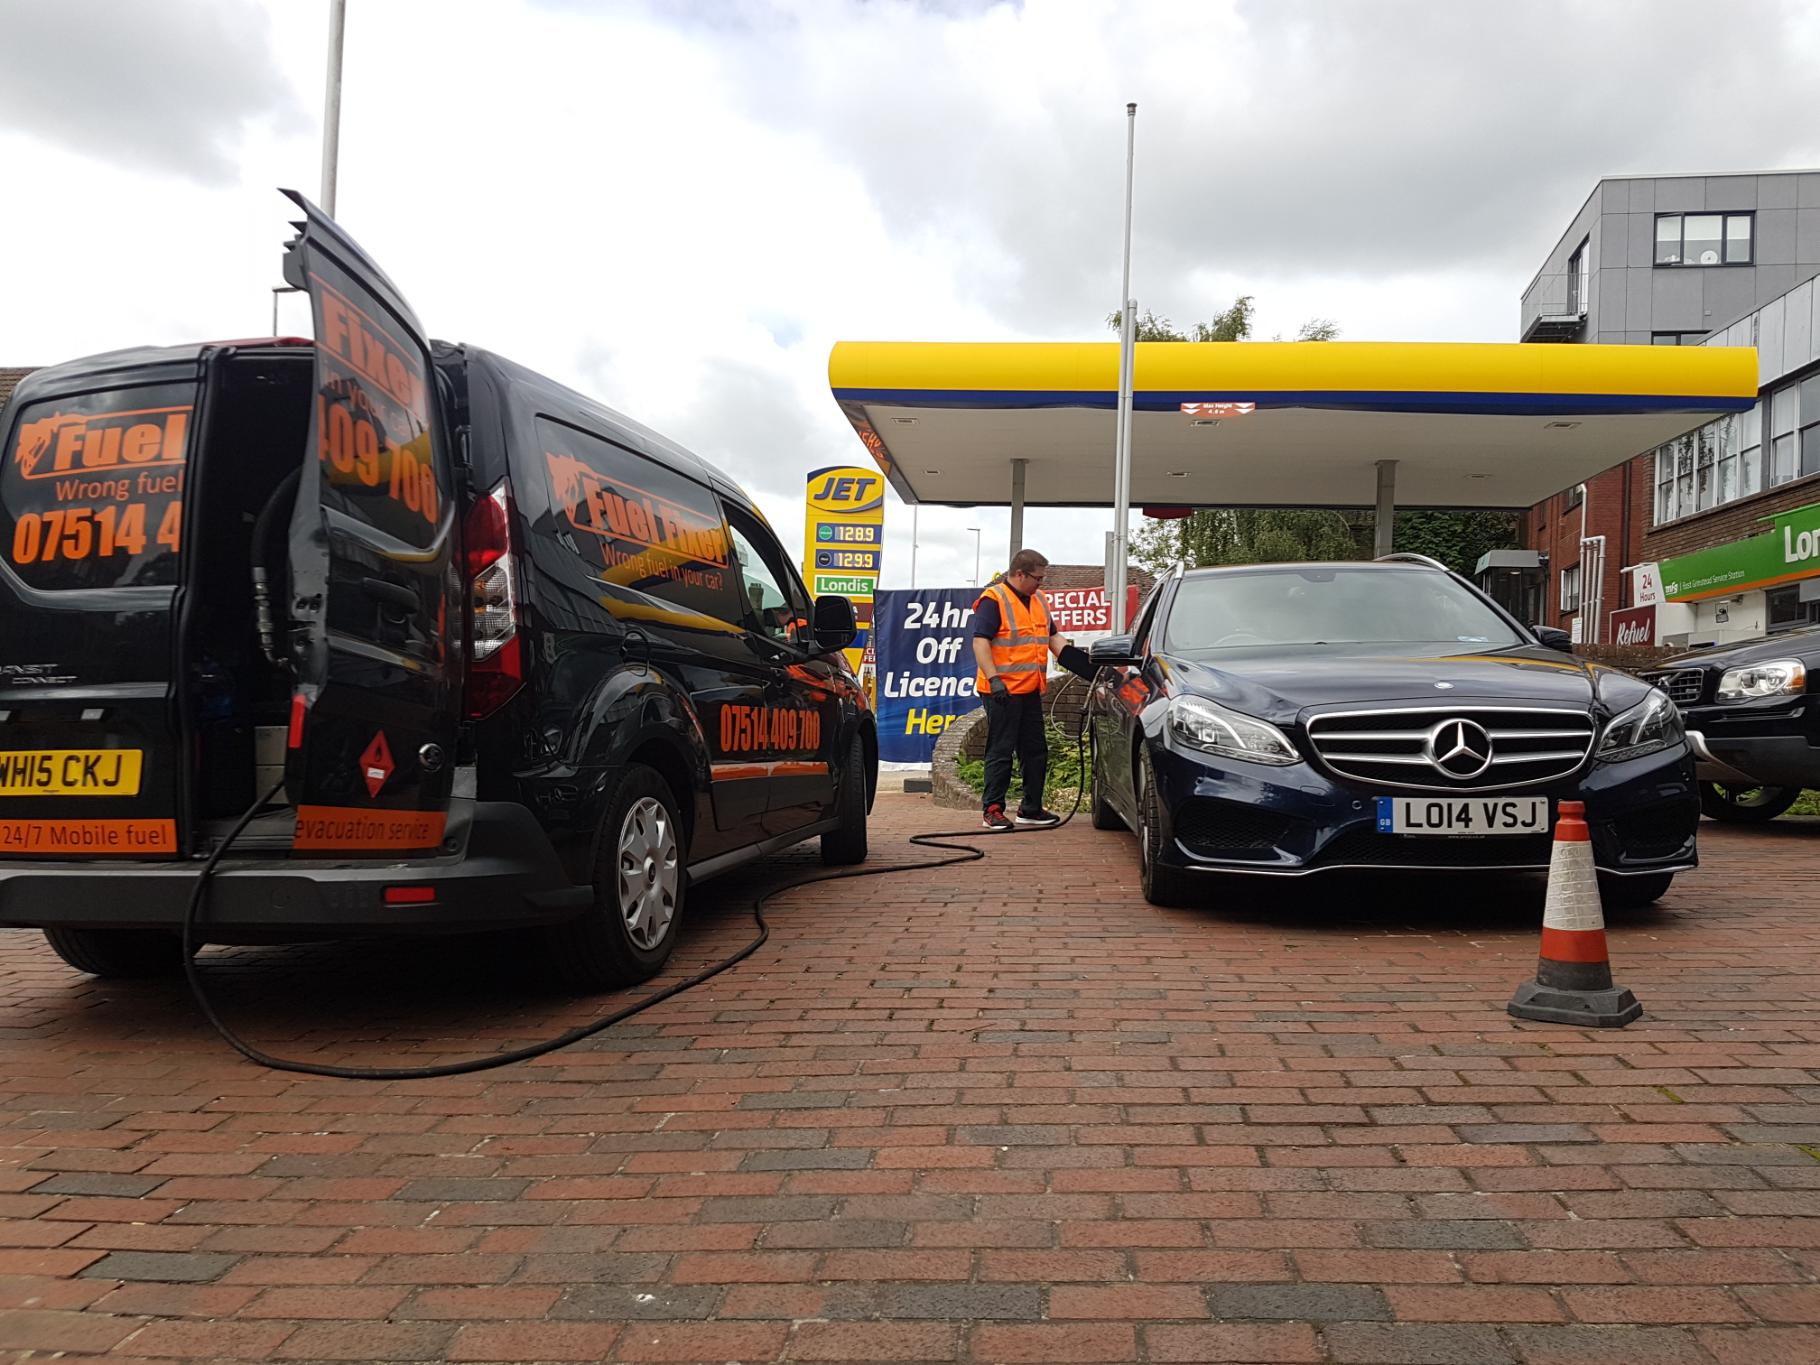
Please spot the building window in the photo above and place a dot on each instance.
(1784, 423)
(1579, 280)
(1784, 609)
(1574, 497)
(1719, 463)
(1676, 338)
(1704, 238)
(1570, 588)
(1810, 425)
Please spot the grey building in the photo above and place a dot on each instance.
(1665, 260)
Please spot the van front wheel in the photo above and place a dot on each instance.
(640, 882)
(122, 954)
(845, 844)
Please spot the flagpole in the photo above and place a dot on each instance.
(1121, 493)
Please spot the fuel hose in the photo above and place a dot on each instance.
(942, 842)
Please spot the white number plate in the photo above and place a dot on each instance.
(1462, 815)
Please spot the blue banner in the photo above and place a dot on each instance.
(922, 642)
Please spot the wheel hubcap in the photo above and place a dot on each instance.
(648, 872)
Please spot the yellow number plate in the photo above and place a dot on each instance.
(70, 772)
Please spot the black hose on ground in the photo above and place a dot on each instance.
(193, 916)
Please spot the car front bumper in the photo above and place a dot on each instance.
(503, 873)
(1773, 741)
(1234, 816)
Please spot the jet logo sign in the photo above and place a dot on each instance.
(844, 507)
(845, 492)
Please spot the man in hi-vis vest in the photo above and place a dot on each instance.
(1012, 643)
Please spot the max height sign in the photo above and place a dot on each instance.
(844, 540)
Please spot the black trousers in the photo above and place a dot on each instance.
(1014, 725)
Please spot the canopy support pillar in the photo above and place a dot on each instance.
(1017, 507)
(1384, 522)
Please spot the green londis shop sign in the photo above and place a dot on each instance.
(1789, 552)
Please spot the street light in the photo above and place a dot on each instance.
(976, 554)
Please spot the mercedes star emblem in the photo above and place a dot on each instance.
(1459, 748)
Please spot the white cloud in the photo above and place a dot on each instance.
(680, 209)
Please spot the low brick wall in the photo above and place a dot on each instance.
(966, 736)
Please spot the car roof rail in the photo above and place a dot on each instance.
(1410, 557)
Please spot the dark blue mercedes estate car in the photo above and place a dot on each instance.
(1289, 719)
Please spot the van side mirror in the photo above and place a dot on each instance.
(1113, 650)
(836, 623)
(1554, 638)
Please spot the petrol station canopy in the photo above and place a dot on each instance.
(1273, 424)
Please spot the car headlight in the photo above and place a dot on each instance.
(1772, 679)
(1208, 726)
(1650, 726)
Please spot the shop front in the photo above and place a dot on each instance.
(1725, 594)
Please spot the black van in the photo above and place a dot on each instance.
(497, 656)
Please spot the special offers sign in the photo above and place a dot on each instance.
(844, 538)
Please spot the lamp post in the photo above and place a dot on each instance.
(1121, 458)
(976, 554)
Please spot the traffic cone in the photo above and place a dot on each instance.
(1573, 975)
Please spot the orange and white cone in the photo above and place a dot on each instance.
(1573, 974)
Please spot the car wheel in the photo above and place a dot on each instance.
(1099, 811)
(846, 843)
(640, 883)
(1162, 885)
(119, 954)
(1746, 805)
(1634, 893)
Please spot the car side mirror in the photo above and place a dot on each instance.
(1554, 638)
(1113, 650)
(836, 623)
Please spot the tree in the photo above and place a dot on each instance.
(1232, 535)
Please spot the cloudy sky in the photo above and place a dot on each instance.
(679, 207)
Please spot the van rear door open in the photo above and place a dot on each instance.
(91, 524)
(376, 626)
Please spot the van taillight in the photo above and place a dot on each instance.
(495, 660)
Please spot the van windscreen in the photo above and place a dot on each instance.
(91, 492)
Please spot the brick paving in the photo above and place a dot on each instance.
(999, 1112)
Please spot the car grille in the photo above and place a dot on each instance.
(1683, 685)
(1223, 829)
(1368, 848)
(1463, 748)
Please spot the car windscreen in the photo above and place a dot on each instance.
(1330, 605)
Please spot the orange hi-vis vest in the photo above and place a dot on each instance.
(1020, 650)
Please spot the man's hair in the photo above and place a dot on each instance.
(1027, 561)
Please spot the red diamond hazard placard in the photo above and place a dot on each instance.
(376, 764)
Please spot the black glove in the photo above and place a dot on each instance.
(996, 685)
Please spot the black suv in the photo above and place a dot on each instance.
(480, 652)
(1753, 717)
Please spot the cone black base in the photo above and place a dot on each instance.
(1612, 1008)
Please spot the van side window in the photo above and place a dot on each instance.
(641, 530)
(775, 603)
(91, 488)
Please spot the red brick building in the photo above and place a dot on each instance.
(1698, 541)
